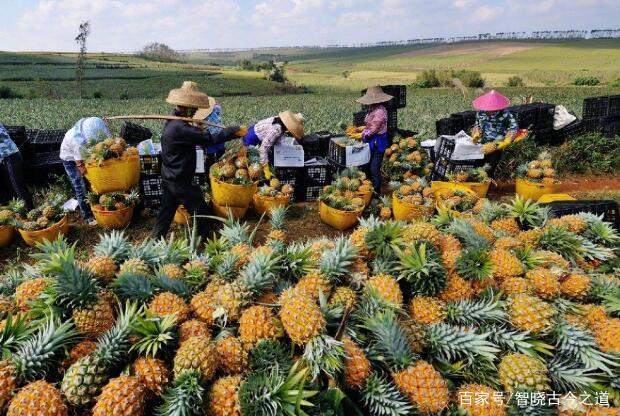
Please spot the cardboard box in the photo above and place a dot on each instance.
(287, 153)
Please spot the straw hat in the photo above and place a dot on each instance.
(188, 96)
(374, 95)
(491, 101)
(203, 113)
(294, 123)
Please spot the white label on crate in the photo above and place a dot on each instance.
(358, 155)
(288, 156)
(200, 160)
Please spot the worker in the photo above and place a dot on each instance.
(268, 132)
(493, 121)
(213, 116)
(375, 132)
(178, 146)
(11, 162)
(71, 154)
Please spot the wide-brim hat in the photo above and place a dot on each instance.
(294, 123)
(491, 101)
(203, 113)
(374, 95)
(188, 96)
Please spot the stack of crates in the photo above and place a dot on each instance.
(42, 154)
(307, 181)
(602, 114)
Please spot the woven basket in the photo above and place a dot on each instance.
(7, 233)
(113, 219)
(50, 233)
(114, 175)
(231, 195)
(335, 218)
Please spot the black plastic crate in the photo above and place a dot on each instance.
(318, 173)
(610, 126)
(468, 117)
(152, 203)
(594, 107)
(135, 133)
(526, 115)
(591, 125)
(576, 128)
(337, 153)
(549, 137)
(150, 164)
(150, 186)
(359, 118)
(17, 134)
(608, 208)
(44, 160)
(444, 166)
(308, 193)
(546, 114)
(614, 105)
(46, 141)
(392, 121)
(316, 144)
(399, 92)
(449, 126)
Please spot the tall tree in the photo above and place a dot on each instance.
(81, 61)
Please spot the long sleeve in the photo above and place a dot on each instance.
(268, 133)
(376, 122)
(185, 134)
(513, 126)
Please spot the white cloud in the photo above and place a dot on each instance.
(462, 4)
(484, 13)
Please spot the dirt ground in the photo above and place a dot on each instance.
(497, 49)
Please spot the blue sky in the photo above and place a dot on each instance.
(126, 25)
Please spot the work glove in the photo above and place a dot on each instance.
(267, 171)
(81, 167)
(243, 130)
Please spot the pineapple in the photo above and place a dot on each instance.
(197, 353)
(356, 365)
(152, 373)
(424, 387)
(141, 259)
(29, 290)
(507, 225)
(358, 239)
(277, 234)
(94, 319)
(343, 296)
(172, 271)
(203, 303)
(468, 398)
(427, 310)
(301, 317)
(534, 173)
(422, 231)
(191, 328)
(518, 372)
(79, 350)
(575, 286)
(422, 270)
(386, 287)
(606, 335)
(314, 284)
(516, 285)
(167, 303)
(505, 264)
(38, 398)
(545, 283)
(259, 323)
(222, 399)
(232, 357)
(528, 313)
(456, 289)
(122, 396)
(574, 223)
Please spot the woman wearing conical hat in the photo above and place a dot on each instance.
(178, 152)
(375, 132)
(493, 121)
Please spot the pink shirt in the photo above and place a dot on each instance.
(268, 133)
(376, 121)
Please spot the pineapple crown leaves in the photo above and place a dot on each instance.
(10, 280)
(332, 313)
(334, 263)
(18, 206)
(602, 286)
(278, 217)
(113, 345)
(41, 353)
(474, 264)
(599, 231)
(184, 397)
(234, 232)
(369, 304)
(323, 354)
(384, 238)
(48, 248)
(389, 342)
(135, 287)
(146, 251)
(270, 353)
(569, 376)
(176, 286)
(492, 211)
(579, 346)
(298, 261)
(227, 266)
(15, 331)
(561, 241)
(590, 251)
(272, 393)
(381, 397)
(528, 257)
(466, 234)
(260, 273)
(156, 334)
(449, 343)
(443, 219)
(475, 311)
(174, 251)
(612, 305)
(527, 213)
(114, 245)
(422, 270)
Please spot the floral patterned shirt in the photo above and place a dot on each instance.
(496, 126)
(376, 121)
(7, 146)
(268, 133)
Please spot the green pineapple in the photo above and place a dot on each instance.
(422, 270)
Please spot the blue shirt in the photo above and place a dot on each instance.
(494, 127)
(216, 118)
(7, 146)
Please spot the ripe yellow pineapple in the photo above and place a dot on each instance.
(480, 400)
(258, 323)
(551, 258)
(482, 229)
(450, 248)
(423, 386)
(515, 285)
(356, 364)
(505, 264)
(575, 286)
(243, 252)
(7, 306)
(197, 353)
(606, 335)
(508, 225)
(489, 148)
(314, 283)
(458, 288)
(301, 317)
(522, 372)
(427, 310)
(103, 267)
(192, 328)
(358, 239)
(223, 399)
(594, 315)
(28, 291)
(545, 283)
(529, 237)
(38, 398)
(534, 173)
(574, 223)
(196, 265)
(507, 243)
(122, 396)
(79, 350)
(422, 231)
(152, 372)
(94, 320)
(135, 266)
(173, 271)
(203, 303)
(386, 287)
(528, 313)
(344, 296)
(231, 298)
(167, 303)
(232, 357)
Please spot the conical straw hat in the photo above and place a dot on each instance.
(491, 101)
(188, 96)
(294, 123)
(374, 95)
(203, 113)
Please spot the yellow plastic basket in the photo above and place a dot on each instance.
(182, 216)
(231, 195)
(7, 233)
(545, 199)
(222, 211)
(264, 204)
(366, 196)
(114, 175)
(405, 211)
(533, 190)
(480, 189)
(335, 218)
(50, 233)
(113, 219)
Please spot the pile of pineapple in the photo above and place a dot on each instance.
(415, 191)
(239, 168)
(395, 319)
(477, 175)
(354, 132)
(458, 200)
(406, 159)
(113, 201)
(540, 170)
(509, 139)
(275, 189)
(346, 191)
(8, 214)
(98, 150)
(41, 217)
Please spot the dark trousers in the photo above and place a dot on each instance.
(13, 179)
(175, 194)
(79, 187)
(376, 158)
